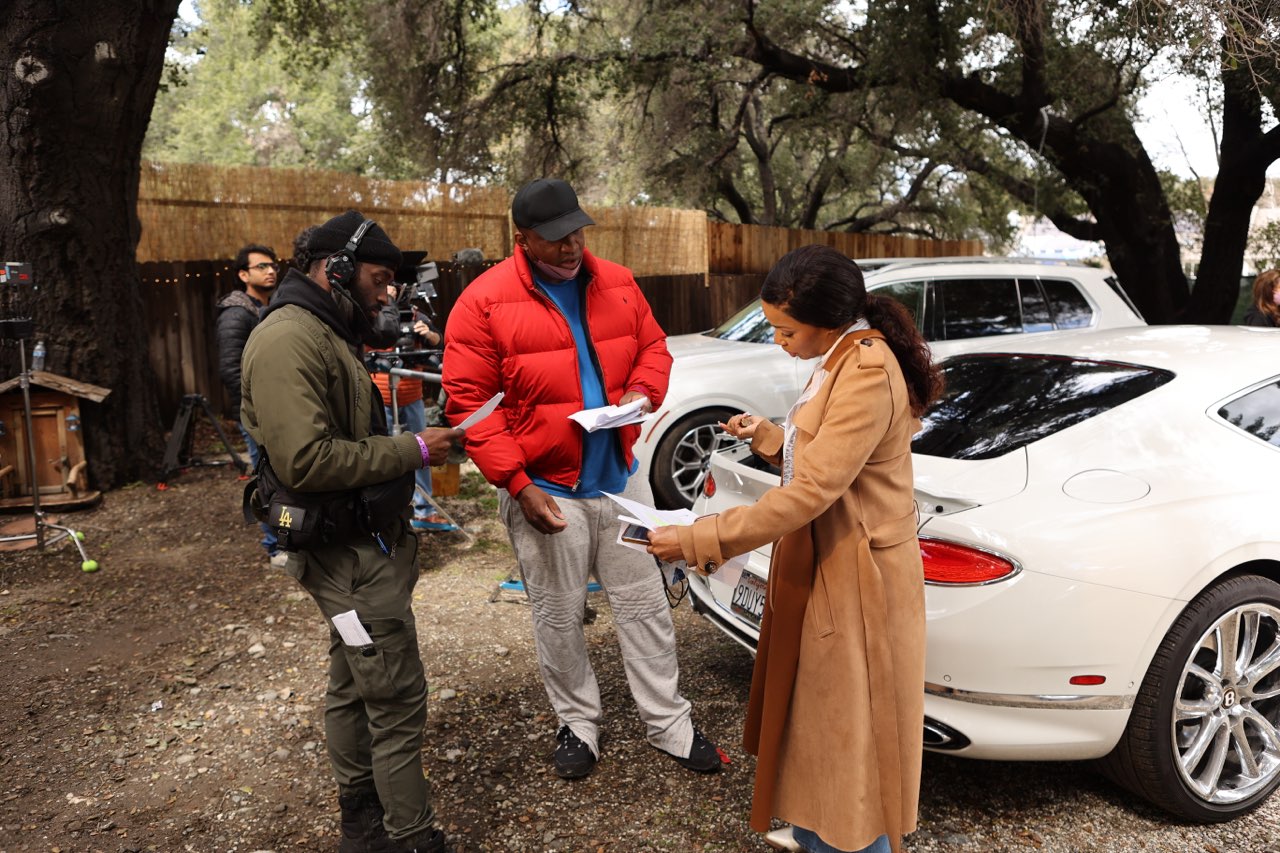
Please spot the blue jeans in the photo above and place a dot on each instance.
(268, 538)
(809, 840)
(413, 418)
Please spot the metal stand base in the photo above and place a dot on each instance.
(42, 539)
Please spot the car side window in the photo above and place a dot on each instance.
(1070, 309)
(1257, 413)
(909, 293)
(976, 307)
(1035, 310)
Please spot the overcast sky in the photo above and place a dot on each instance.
(1175, 130)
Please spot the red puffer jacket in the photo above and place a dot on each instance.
(506, 335)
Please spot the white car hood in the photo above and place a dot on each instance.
(697, 350)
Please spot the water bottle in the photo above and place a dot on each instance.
(37, 356)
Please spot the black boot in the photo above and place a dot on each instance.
(362, 830)
(429, 841)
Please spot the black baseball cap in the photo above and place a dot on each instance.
(550, 208)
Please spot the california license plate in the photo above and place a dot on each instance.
(748, 597)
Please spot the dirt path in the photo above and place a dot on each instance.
(172, 702)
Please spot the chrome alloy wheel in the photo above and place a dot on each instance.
(1226, 715)
(691, 458)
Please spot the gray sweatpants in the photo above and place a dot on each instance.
(555, 569)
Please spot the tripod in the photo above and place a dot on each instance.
(177, 453)
(22, 328)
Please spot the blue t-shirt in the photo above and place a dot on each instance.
(603, 467)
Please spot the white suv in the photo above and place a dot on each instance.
(960, 304)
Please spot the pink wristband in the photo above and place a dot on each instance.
(422, 445)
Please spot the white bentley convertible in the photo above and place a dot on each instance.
(1098, 523)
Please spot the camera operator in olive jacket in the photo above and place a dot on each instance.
(309, 401)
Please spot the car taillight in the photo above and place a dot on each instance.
(949, 563)
(709, 486)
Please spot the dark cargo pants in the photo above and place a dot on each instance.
(376, 703)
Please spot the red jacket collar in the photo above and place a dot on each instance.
(589, 265)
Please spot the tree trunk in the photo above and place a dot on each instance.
(79, 82)
(1122, 189)
(1226, 233)
(1246, 154)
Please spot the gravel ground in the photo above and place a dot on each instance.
(172, 702)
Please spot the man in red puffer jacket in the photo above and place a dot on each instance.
(558, 330)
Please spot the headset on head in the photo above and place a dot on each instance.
(340, 267)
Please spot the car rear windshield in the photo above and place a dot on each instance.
(997, 403)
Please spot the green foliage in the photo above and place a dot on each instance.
(236, 95)
(635, 102)
(1264, 246)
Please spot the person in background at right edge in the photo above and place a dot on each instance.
(1265, 309)
(837, 695)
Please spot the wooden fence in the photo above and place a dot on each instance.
(737, 249)
(199, 211)
(694, 273)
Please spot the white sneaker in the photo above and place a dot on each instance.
(781, 839)
(278, 559)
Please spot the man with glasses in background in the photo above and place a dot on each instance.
(238, 313)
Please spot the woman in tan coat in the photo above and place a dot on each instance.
(837, 697)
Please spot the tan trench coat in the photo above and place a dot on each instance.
(837, 697)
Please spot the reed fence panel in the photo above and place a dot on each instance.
(200, 211)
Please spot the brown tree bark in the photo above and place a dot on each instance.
(79, 82)
(1245, 155)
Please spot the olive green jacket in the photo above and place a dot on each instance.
(308, 399)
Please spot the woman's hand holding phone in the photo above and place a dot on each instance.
(741, 427)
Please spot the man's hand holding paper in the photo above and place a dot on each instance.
(633, 411)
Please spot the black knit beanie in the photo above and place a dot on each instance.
(375, 246)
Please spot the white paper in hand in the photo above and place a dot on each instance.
(482, 412)
(611, 417)
(652, 518)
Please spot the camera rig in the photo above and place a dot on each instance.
(414, 303)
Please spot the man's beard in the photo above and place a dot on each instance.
(356, 316)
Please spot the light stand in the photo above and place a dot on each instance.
(393, 380)
(20, 329)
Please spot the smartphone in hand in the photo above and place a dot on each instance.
(635, 534)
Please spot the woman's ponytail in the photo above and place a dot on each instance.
(923, 378)
(823, 287)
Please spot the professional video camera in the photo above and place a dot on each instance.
(417, 277)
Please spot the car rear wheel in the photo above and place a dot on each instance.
(1203, 740)
(683, 456)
